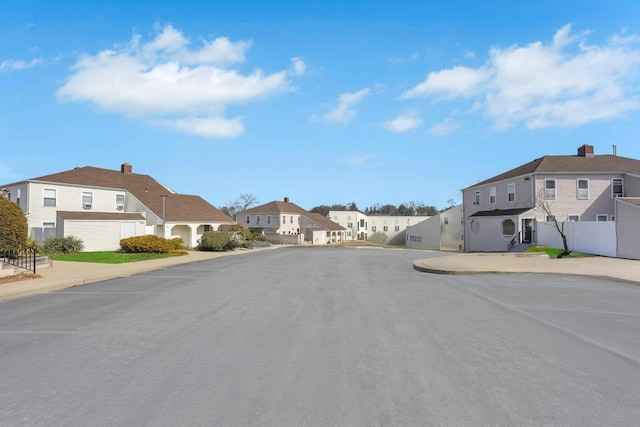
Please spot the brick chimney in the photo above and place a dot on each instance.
(286, 200)
(585, 151)
(126, 168)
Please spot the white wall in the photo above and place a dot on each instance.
(591, 237)
(628, 229)
(97, 235)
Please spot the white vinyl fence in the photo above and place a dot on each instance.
(591, 237)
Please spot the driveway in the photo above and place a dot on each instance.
(323, 336)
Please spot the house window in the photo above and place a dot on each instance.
(18, 198)
(268, 219)
(120, 202)
(550, 218)
(476, 199)
(550, 189)
(373, 228)
(248, 218)
(446, 220)
(511, 192)
(508, 227)
(573, 218)
(8, 194)
(284, 219)
(362, 223)
(385, 228)
(48, 225)
(397, 228)
(602, 217)
(291, 219)
(87, 199)
(617, 187)
(583, 189)
(49, 197)
(492, 195)
(258, 219)
(206, 227)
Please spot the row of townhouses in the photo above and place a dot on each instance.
(596, 198)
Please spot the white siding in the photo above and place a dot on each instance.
(97, 235)
(628, 230)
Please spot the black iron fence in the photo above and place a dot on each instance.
(17, 254)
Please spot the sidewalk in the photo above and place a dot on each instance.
(65, 274)
(484, 263)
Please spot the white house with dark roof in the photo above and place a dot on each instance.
(505, 210)
(102, 206)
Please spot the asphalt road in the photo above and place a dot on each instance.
(323, 336)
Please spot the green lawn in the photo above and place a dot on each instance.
(555, 252)
(108, 257)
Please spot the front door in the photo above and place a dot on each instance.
(528, 228)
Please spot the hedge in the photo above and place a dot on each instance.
(13, 223)
(146, 244)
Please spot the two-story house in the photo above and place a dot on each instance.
(101, 206)
(386, 229)
(288, 219)
(506, 208)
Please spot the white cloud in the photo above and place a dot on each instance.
(344, 112)
(449, 84)
(14, 64)
(169, 84)
(445, 127)
(562, 84)
(404, 122)
(210, 127)
(356, 160)
(298, 66)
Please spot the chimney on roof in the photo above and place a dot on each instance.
(585, 151)
(126, 168)
(286, 200)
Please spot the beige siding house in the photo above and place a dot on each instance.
(286, 222)
(101, 205)
(386, 229)
(506, 210)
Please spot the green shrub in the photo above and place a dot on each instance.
(13, 223)
(235, 230)
(176, 243)
(255, 244)
(146, 244)
(215, 241)
(62, 245)
(259, 237)
(34, 244)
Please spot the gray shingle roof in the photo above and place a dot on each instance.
(570, 164)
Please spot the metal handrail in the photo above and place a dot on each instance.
(513, 242)
(17, 254)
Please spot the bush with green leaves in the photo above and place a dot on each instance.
(63, 245)
(216, 241)
(176, 243)
(146, 244)
(13, 223)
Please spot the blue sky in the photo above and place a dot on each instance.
(324, 102)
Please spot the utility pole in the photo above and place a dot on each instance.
(164, 198)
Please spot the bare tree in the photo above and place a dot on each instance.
(545, 206)
(244, 202)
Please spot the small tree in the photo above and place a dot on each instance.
(545, 206)
(13, 223)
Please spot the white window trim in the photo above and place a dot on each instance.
(55, 197)
(86, 205)
(509, 186)
(578, 189)
(575, 215)
(492, 195)
(621, 182)
(120, 206)
(606, 217)
(477, 198)
(555, 189)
